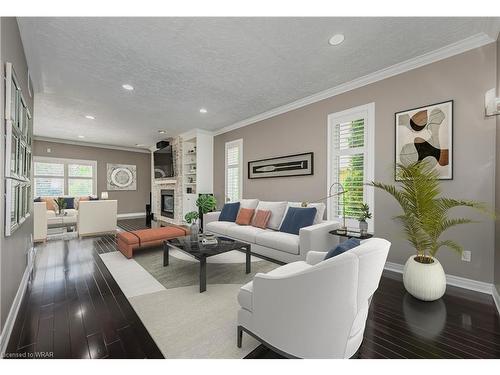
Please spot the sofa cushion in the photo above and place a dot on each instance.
(296, 218)
(245, 233)
(261, 218)
(349, 244)
(51, 213)
(289, 243)
(249, 203)
(220, 227)
(81, 199)
(229, 212)
(320, 210)
(277, 211)
(244, 216)
(71, 212)
(245, 295)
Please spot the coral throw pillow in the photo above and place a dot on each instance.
(50, 202)
(261, 218)
(244, 216)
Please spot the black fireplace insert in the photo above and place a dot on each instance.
(167, 203)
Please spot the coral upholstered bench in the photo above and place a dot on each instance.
(128, 242)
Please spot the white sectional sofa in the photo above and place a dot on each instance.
(272, 243)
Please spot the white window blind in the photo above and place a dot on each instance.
(351, 162)
(57, 177)
(234, 170)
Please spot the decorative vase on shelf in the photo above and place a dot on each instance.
(363, 228)
(424, 278)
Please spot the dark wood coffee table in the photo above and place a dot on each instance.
(201, 252)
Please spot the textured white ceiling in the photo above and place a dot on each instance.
(234, 67)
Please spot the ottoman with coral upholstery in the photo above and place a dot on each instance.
(128, 242)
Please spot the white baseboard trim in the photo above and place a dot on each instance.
(14, 310)
(496, 298)
(461, 282)
(131, 215)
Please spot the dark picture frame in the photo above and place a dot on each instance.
(445, 154)
(282, 166)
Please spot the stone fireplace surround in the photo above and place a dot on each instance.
(172, 183)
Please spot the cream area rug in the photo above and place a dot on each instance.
(184, 322)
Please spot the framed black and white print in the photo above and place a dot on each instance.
(284, 166)
(426, 133)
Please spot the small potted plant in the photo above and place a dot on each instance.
(61, 205)
(192, 218)
(363, 216)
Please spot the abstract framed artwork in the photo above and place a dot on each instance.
(284, 166)
(121, 177)
(426, 133)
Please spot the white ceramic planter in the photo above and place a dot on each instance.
(425, 281)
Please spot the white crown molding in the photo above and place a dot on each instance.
(496, 298)
(450, 50)
(89, 144)
(460, 282)
(14, 310)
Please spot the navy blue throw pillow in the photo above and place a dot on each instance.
(349, 244)
(38, 199)
(229, 212)
(296, 218)
(70, 203)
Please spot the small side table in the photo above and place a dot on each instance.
(351, 234)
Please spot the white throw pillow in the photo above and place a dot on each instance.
(249, 203)
(277, 212)
(320, 210)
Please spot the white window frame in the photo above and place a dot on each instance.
(239, 144)
(367, 112)
(66, 177)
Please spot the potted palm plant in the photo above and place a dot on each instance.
(424, 219)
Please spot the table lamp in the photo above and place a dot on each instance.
(104, 195)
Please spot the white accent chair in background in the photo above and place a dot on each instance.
(97, 217)
(316, 308)
(39, 222)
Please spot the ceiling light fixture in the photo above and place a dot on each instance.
(128, 87)
(81, 136)
(203, 110)
(89, 117)
(162, 131)
(140, 145)
(336, 39)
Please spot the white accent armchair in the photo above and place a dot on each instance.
(97, 217)
(316, 308)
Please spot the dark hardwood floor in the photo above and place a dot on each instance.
(73, 308)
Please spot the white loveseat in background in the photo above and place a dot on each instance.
(314, 309)
(272, 243)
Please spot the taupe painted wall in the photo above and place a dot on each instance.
(128, 201)
(12, 249)
(463, 78)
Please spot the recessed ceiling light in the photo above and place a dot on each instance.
(81, 136)
(162, 131)
(336, 39)
(128, 87)
(203, 110)
(90, 117)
